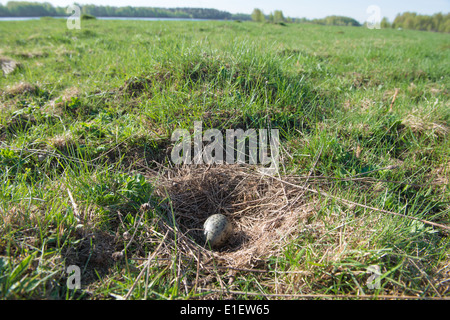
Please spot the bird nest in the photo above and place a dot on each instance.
(264, 211)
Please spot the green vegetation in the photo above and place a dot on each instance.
(87, 17)
(35, 9)
(337, 21)
(128, 11)
(30, 9)
(410, 20)
(278, 17)
(258, 16)
(86, 118)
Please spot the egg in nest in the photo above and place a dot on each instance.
(217, 229)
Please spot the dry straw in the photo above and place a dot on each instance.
(265, 213)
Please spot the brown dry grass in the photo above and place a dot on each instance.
(264, 212)
(8, 65)
(422, 120)
(56, 105)
(20, 89)
(422, 124)
(30, 54)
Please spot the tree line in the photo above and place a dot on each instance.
(35, 9)
(410, 20)
(30, 9)
(149, 12)
(407, 20)
(278, 17)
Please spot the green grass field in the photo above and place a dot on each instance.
(86, 121)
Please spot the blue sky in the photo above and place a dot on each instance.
(291, 8)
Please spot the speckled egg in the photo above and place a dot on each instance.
(217, 229)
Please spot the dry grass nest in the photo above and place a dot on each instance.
(265, 213)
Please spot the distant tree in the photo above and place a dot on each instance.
(278, 16)
(385, 23)
(257, 15)
(337, 21)
(409, 23)
(438, 19)
(445, 27)
(241, 16)
(3, 11)
(301, 20)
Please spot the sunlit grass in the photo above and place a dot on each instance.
(107, 98)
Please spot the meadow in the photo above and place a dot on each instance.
(86, 118)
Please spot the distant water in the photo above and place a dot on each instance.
(105, 18)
